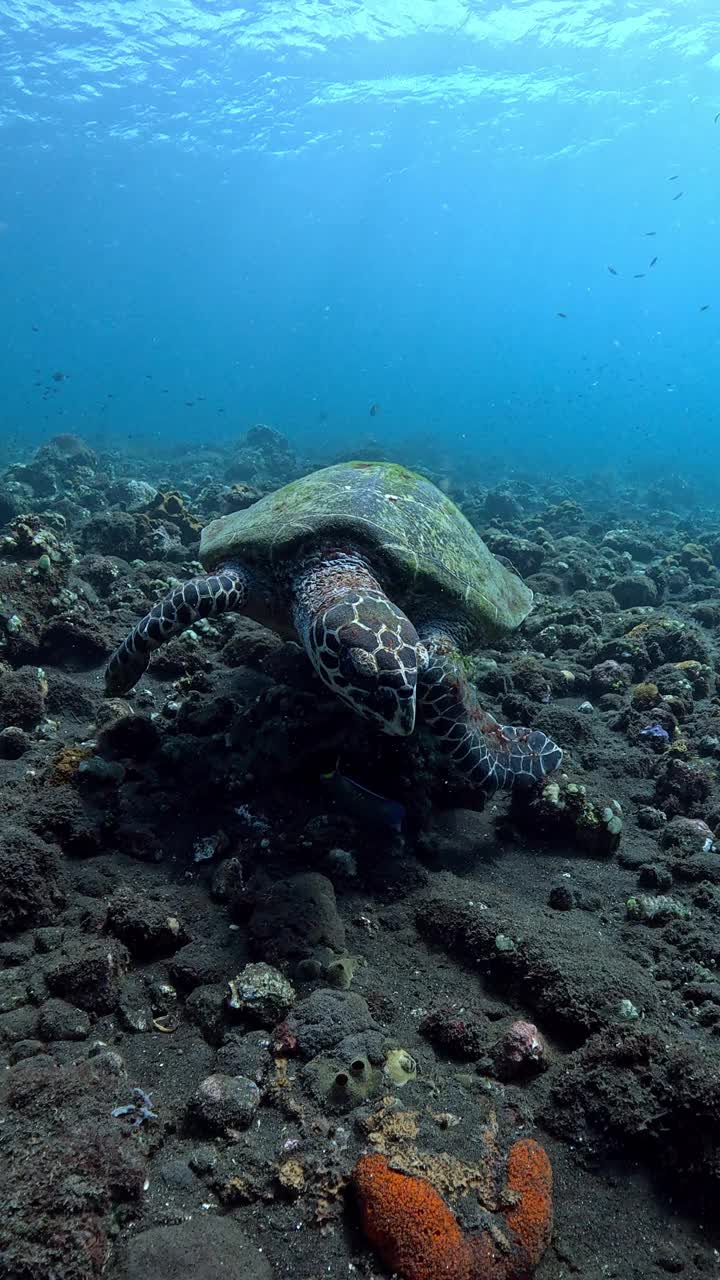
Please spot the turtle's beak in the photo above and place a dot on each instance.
(383, 689)
(402, 722)
(400, 696)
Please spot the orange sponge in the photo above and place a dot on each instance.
(409, 1224)
(415, 1233)
(530, 1220)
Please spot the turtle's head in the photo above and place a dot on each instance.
(367, 651)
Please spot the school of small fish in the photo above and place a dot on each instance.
(58, 376)
(640, 275)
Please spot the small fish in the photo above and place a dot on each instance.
(674, 177)
(679, 195)
(705, 306)
(562, 315)
(716, 118)
(612, 271)
(639, 275)
(652, 264)
(374, 410)
(59, 376)
(34, 328)
(655, 731)
(651, 233)
(365, 805)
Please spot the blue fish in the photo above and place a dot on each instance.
(365, 805)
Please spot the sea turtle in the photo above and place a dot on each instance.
(342, 560)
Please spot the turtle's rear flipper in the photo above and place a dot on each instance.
(222, 592)
(484, 751)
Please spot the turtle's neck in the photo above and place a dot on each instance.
(325, 579)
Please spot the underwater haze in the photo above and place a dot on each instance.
(497, 223)
(359, 640)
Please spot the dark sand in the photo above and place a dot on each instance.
(152, 848)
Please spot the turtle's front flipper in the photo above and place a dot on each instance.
(485, 751)
(222, 592)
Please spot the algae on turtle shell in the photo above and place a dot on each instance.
(429, 551)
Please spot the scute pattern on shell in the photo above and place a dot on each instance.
(425, 552)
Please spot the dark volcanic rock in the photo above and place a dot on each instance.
(129, 736)
(63, 817)
(526, 557)
(500, 505)
(206, 1248)
(206, 1009)
(327, 1017)
(22, 698)
(75, 640)
(682, 787)
(635, 589)
(223, 1104)
(246, 1055)
(30, 891)
(18, 1025)
(66, 1165)
(102, 572)
(68, 697)
(14, 742)
(250, 644)
(297, 916)
(632, 1090)
(88, 973)
(61, 1021)
(463, 1036)
(116, 534)
(554, 977)
(66, 454)
(456, 835)
(561, 898)
(199, 963)
(146, 927)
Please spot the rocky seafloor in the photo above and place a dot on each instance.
(222, 988)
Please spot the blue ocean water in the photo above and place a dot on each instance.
(213, 215)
